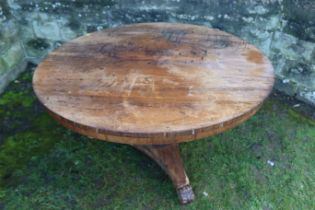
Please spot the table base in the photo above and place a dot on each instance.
(168, 157)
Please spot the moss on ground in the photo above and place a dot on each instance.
(265, 163)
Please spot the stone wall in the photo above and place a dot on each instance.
(283, 29)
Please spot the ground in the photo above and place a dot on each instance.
(265, 163)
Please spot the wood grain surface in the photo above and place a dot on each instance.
(153, 83)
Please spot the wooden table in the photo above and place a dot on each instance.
(154, 85)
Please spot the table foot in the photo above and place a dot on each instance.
(185, 194)
(168, 157)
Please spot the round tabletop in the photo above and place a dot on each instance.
(153, 83)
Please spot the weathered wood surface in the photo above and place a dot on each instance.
(168, 157)
(153, 83)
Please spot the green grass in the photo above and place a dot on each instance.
(45, 166)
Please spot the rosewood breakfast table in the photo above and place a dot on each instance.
(153, 86)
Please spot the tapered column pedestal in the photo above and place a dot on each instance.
(168, 157)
